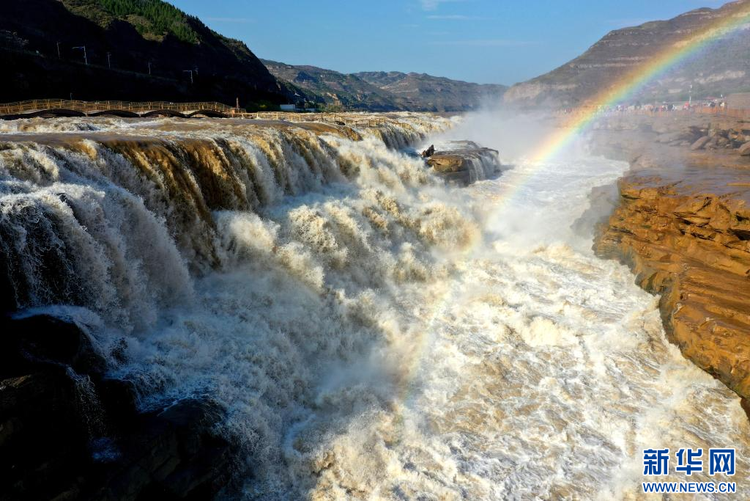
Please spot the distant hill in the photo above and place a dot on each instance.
(381, 91)
(722, 68)
(422, 91)
(129, 35)
(318, 85)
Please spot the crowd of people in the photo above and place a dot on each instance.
(706, 104)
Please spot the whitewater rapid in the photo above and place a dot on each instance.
(369, 332)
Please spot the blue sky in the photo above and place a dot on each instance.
(486, 41)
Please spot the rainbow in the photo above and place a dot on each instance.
(637, 78)
(552, 145)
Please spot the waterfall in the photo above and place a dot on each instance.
(251, 265)
(367, 330)
(89, 405)
(118, 222)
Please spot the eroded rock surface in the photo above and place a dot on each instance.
(683, 225)
(465, 163)
(67, 431)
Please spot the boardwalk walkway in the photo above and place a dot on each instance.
(63, 107)
(50, 108)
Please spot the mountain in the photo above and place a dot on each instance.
(334, 89)
(134, 50)
(721, 68)
(422, 91)
(383, 91)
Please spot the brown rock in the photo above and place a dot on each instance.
(689, 243)
(700, 143)
(468, 163)
(745, 149)
(447, 162)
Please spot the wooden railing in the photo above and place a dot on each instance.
(36, 105)
(33, 105)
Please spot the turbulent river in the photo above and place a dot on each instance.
(369, 332)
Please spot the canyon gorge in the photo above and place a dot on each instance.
(263, 309)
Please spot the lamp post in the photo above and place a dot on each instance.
(191, 74)
(109, 60)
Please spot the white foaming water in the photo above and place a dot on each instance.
(379, 337)
(541, 372)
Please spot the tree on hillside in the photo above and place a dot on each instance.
(162, 17)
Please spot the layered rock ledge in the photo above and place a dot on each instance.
(683, 225)
(464, 162)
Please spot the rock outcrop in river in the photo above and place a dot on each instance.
(464, 162)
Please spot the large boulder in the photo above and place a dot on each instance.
(745, 149)
(171, 453)
(465, 164)
(33, 343)
(68, 431)
(700, 143)
(449, 161)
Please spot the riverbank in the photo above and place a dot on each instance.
(682, 224)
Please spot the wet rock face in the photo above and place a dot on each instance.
(450, 161)
(466, 164)
(687, 236)
(69, 432)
